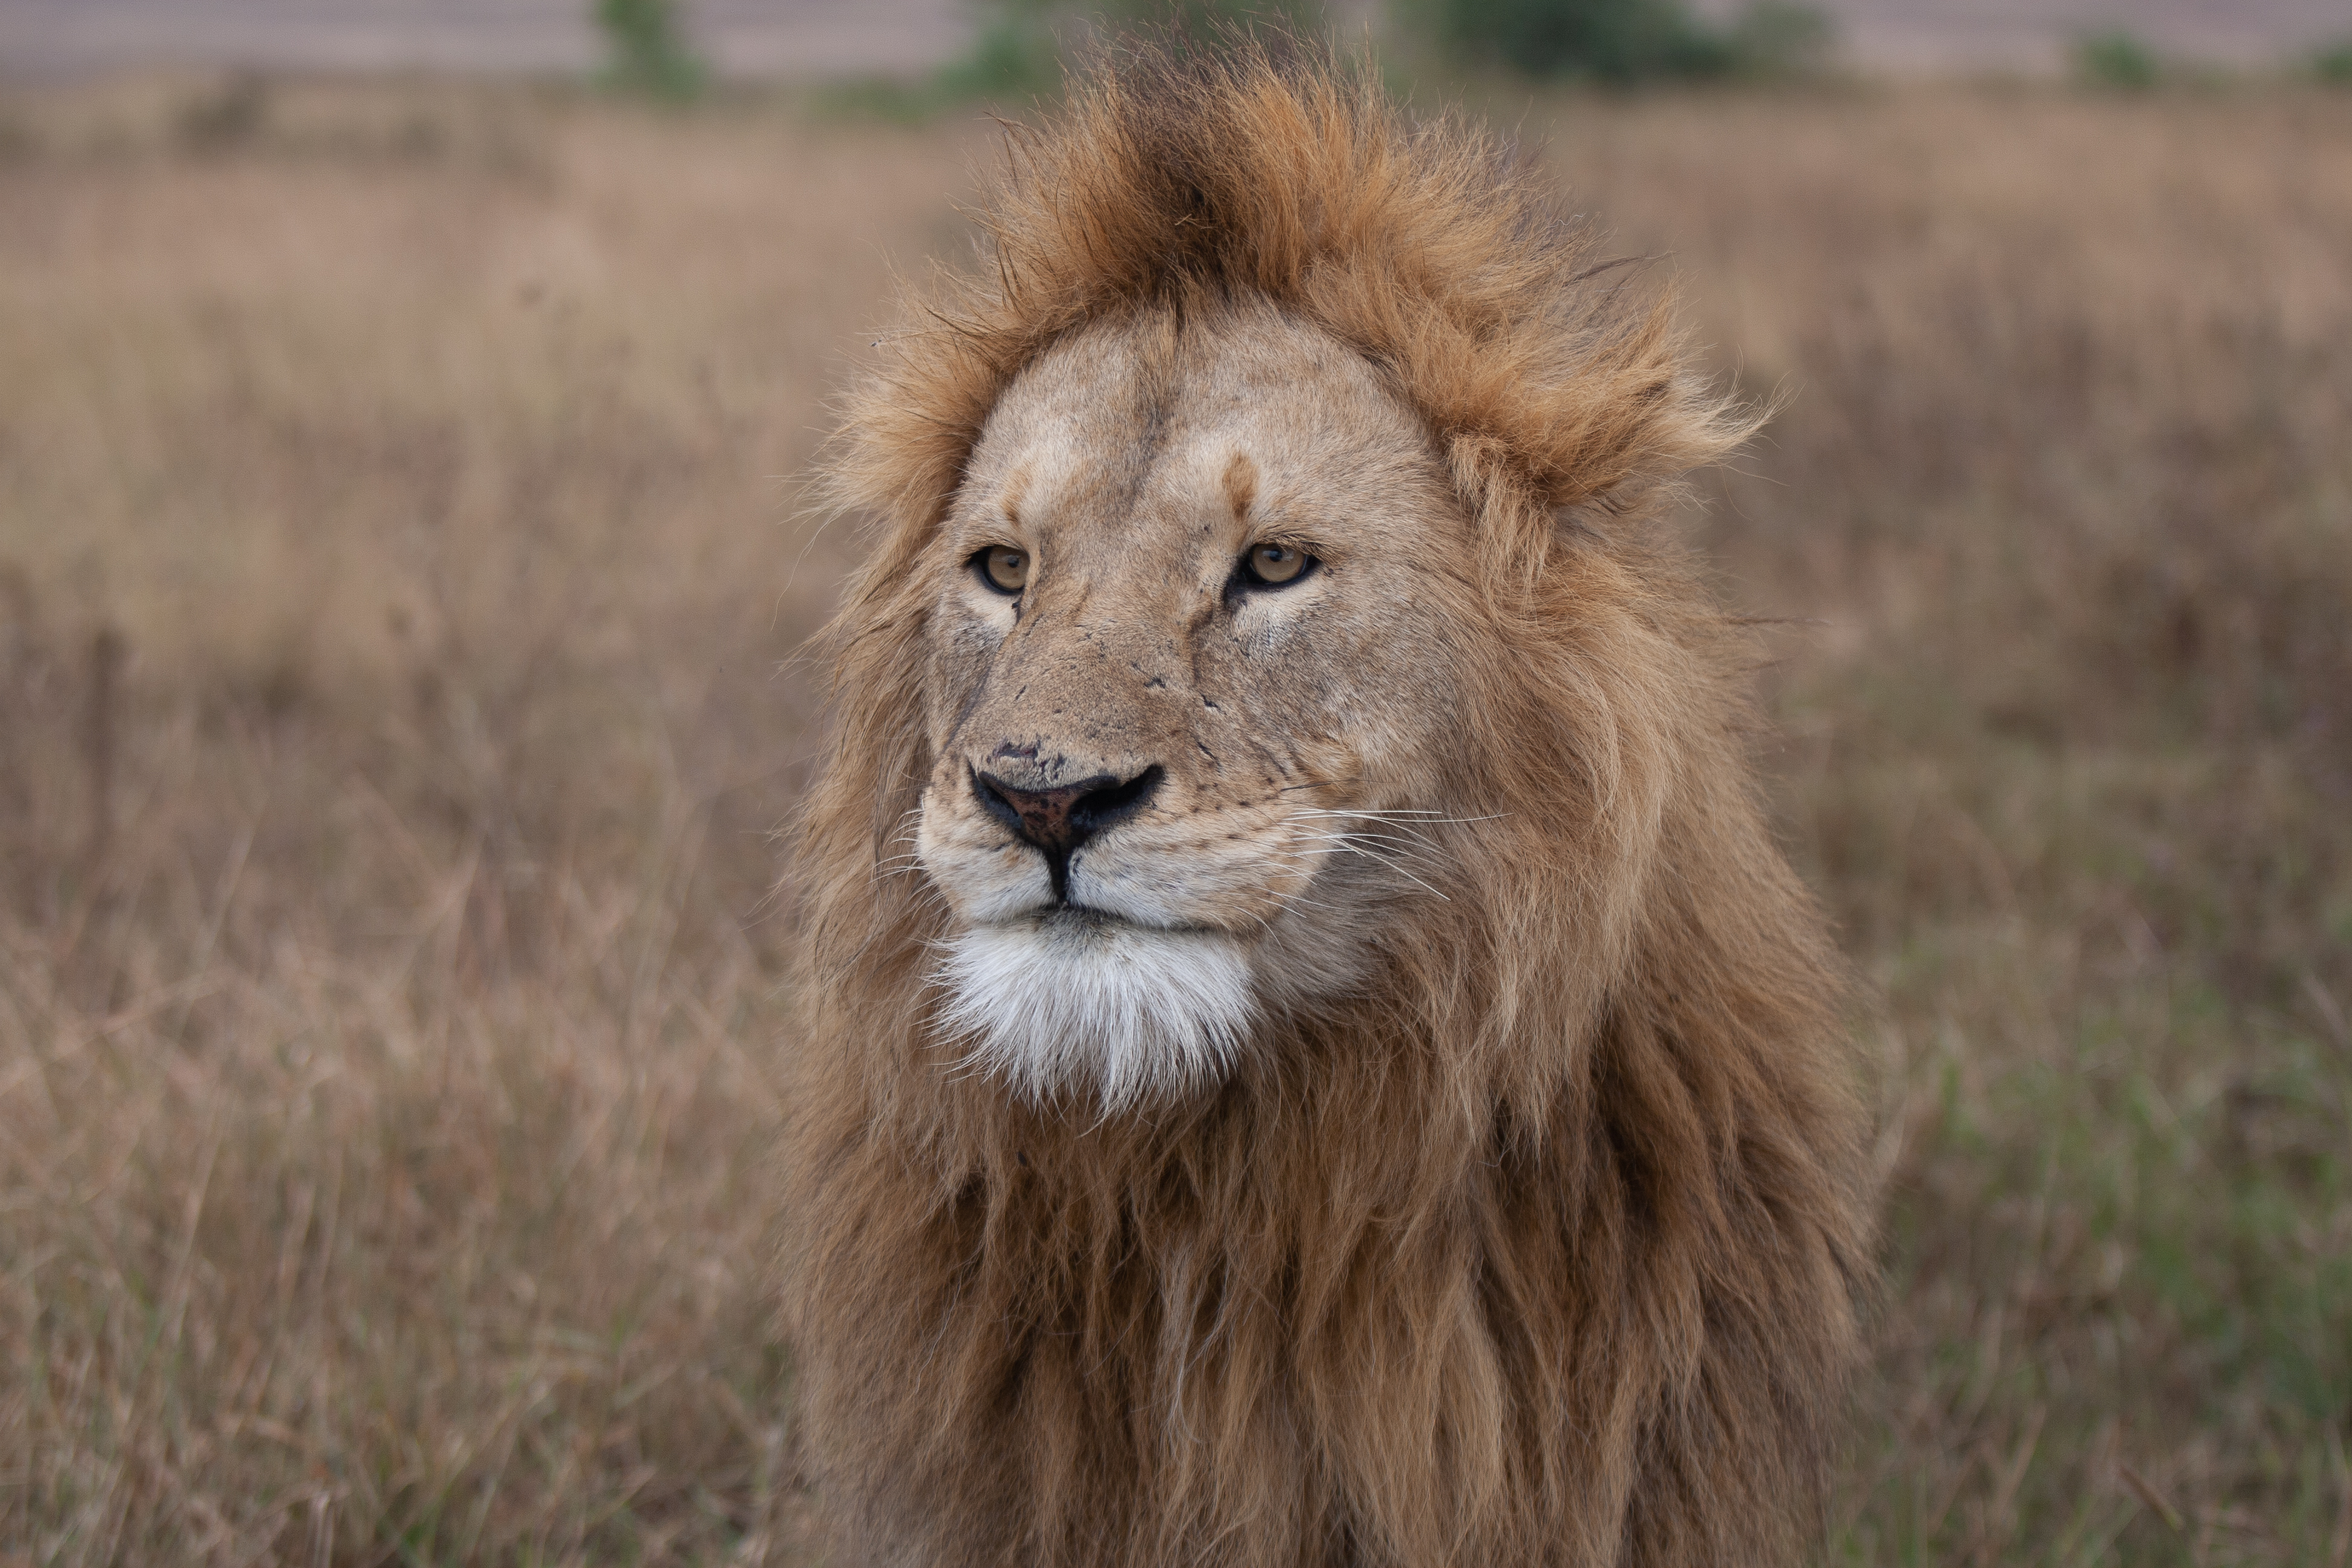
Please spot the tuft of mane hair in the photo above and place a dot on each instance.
(1550, 1248)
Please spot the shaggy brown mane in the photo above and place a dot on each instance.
(1545, 1251)
(1178, 183)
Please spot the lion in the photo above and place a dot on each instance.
(1311, 1054)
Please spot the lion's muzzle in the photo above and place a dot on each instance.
(1057, 822)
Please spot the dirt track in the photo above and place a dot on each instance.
(757, 38)
(1949, 34)
(820, 37)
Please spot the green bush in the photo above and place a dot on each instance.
(2116, 59)
(646, 50)
(1624, 41)
(1777, 37)
(1013, 55)
(1608, 40)
(2332, 63)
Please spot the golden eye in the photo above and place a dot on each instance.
(1275, 564)
(1006, 569)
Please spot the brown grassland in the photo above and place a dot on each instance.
(399, 572)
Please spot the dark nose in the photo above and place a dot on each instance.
(1058, 821)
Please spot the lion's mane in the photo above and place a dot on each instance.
(1546, 1252)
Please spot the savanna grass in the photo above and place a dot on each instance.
(395, 565)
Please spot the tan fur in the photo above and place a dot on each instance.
(1527, 1225)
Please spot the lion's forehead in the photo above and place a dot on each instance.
(1123, 438)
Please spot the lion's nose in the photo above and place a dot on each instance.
(1058, 821)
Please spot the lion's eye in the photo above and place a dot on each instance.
(1271, 565)
(1003, 568)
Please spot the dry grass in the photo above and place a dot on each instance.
(2068, 479)
(393, 571)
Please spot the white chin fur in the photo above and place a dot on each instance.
(1070, 1002)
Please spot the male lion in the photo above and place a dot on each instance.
(1312, 1055)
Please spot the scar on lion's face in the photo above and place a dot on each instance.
(1190, 622)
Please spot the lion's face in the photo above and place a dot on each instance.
(1187, 693)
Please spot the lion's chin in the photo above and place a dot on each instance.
(1073, 1003)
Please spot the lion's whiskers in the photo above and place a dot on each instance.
(1359, 844)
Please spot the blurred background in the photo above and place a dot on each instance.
(814, 38)
(405, 413)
